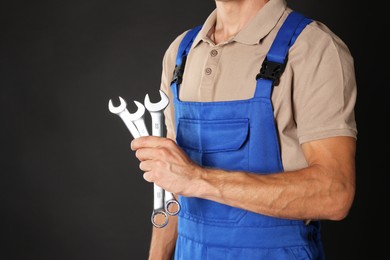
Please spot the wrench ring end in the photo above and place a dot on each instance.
(155, 215)
(176, 206)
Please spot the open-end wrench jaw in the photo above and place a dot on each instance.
(139, 113)
(159, 106)
(117, 109)
(124, 114)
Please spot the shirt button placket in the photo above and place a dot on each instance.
(207, 87)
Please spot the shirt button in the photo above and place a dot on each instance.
(214, 53)
(208, 71)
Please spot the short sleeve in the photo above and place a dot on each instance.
(324, 86)
(168, 66)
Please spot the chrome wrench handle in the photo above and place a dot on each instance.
(159, 217)
(171, 205)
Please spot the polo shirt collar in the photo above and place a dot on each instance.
(260, 25)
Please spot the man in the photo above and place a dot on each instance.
(257, 159)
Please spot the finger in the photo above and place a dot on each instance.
(147, 176)
(151, 141)
(144, 141)
(148, 153)
(146, 166)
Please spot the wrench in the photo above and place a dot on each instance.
(136, 125)
(124, 114)
(172, 206)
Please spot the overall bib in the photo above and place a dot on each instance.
(238, 135)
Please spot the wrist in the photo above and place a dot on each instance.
(208, 184)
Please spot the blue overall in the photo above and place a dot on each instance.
(238, 135)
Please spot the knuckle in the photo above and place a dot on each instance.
(160, 164)
(168, 142)
(161, 151)
(139, 141)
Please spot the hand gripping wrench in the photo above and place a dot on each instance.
(136, 125)
(171, 205)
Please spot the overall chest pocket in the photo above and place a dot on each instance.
(219, 144)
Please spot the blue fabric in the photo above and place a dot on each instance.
(186, 43)
(238, 135)
(286, 37)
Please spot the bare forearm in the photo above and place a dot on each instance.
(323, 190)
(163, 241)
(303, 194)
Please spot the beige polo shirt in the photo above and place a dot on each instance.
(316, 95)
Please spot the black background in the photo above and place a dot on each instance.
(70, 186)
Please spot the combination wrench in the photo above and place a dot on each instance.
(171, 205)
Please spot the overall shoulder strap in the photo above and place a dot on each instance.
(276, 59)
(182, 52)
